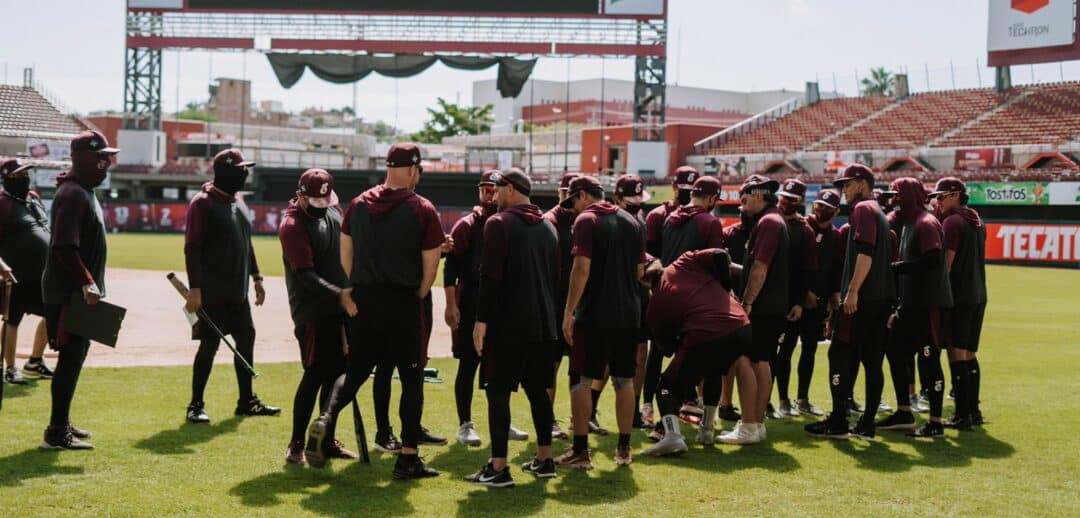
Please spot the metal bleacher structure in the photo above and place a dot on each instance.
(1046, 116)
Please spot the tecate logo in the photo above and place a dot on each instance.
(1039, 242)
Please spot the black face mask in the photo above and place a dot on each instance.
(489, 207)
(633, 209)
(17, 187)
(231, 182)
(746, 219)
(684, 197)
(315, 212)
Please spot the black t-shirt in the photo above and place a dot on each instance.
(965, 234)
(219, 233)
(519, 273)
(77, 221)
(24, 240)
(926, 287)
(869, 231)
(769, 243)
(689, 228)
(315, 244)
(563, 220)
(462, 266)
(829, 262)
(390, 229)
(611, 238)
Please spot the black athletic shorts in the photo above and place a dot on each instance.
(388, 329)
(915, 329)
(227, 317)
(967, 324)
(321, 343)
(692, 363)
(595, 350)
(25, 299)
(766, 336)
(508, 366)
(864, 330)
(812, 324)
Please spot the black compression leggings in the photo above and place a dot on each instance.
(931, 376)
(463, 386)
(65, 378)
(654, 364)
(499, 417)
(782, 369)
(314, 382)
(380, 392)
(244, 340)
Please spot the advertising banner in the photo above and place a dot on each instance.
(1065, 193)
(1012, 193)
(974, 159)
(1030, 24)
(1033, 242)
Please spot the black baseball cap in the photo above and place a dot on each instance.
(582, 183)
(515, 178)
(759, 183)
(12, 166)
(947, 185)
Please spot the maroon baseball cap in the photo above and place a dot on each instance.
(707, 186)
(316, 183)
(685, 177)
(403, 154)
(564, 183)
(12, 166)
(632, 188)
(793, 189)
(231, 158)
(582, 183)
(93, 141)
(853, 172)
(757, 183)
(947, 185)
(828, 197)
(488, 177)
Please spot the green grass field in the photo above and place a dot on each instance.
(148, 462)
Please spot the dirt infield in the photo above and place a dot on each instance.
(156, 333)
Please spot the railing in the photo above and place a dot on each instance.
(723, 136)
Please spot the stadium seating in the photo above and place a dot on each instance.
(1050, 114)
(24, 112)
(914, 121)
(804, 126)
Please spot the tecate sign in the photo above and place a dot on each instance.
(1025, 242)
(1031, 24)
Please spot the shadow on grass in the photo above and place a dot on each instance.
(29, 464)
(367, 489)
(21, 391)
(944, 452)
(180, 440)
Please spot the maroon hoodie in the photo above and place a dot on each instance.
(693, 304)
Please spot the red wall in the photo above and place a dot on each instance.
(110, 126)
(679, 137)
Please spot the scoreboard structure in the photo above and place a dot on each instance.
(463, 32)
(1022, 32)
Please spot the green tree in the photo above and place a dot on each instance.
(196, 112)
(879, 82)
(450, 120)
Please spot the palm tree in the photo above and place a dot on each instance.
(879, 82)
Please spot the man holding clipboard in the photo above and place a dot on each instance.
(75, 267)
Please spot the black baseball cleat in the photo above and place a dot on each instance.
(831, 428)
(196, 413)
(315, 450)
(61, 438)
(37, 369)
(387, 442)
(956, 422)
(79, 433)
(899, 420)
(489, 476)
(426, 437)
(977, 418)
(540, 468)
(255, 407)
(929, 429)
(862, 430)
(728, 413)
(406, 468)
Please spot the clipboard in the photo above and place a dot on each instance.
(100, 322)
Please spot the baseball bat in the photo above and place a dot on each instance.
(183, 291)
(361, 437)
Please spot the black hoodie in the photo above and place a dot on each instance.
(680, 237)
(519, 273)
(965, 234)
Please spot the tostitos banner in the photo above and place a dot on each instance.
(1033, 242)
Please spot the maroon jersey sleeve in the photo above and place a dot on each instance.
(346, 218)
(430, 226)
(583, 235)
(928, 231)
(654, 224)
(809, 251)
(711, 230)
(295, 245)
(954, 231)
(864, 224)
(767, 236)
(67, 222)
(493, 256)
(460, 234)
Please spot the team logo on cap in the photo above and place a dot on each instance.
(229, 160)
(789, 186)
(637, 189)
(691, 177)
(324, 189)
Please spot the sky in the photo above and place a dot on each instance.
(77, 50)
